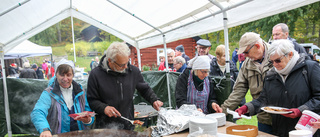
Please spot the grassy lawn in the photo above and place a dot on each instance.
(82, 62)
(253, 120)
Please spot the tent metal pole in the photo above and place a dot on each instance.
(5, 92)
(74, 45)
(139, 58)
(226, 38)
(14, 7)
(164, 44)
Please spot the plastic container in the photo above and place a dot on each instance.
(204, 124)
(305, 120)
(300, 133)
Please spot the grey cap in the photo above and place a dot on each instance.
(204, 42)
(180, 48)
(247, 39)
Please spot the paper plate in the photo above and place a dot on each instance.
(276, 112)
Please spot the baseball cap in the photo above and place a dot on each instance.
(247, 39)
(180, 48)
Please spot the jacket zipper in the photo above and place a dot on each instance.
(257, 81)
(121, 91)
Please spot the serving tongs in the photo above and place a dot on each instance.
(131, 121)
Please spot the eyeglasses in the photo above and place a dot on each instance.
(120, 65)
(202, 47)
(278, 60)
(247, 52)
(205, 71)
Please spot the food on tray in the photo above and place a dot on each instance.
(82, 114)
(136, 114)
(138, 122)
(275, 109)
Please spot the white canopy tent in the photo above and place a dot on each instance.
(141, 23)
(27, 49)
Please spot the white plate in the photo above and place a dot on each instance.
(276, 112)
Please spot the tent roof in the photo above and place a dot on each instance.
(27, 49)
(177, 19)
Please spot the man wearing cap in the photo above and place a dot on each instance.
(13, 70)
(251, 76)
(281, 31)
(180, 52)
(203, 47)
(38, 71)
(27, 72)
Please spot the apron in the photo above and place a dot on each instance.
(199, 98)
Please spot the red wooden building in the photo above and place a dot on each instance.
(149, 56)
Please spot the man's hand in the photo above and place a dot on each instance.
(295, 113)
(216, 107)
(46, 134)
(111, 112)
(242, 110)
(157, 104)
(199, 109)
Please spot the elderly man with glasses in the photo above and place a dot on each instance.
(111, 87)
(194, 87)
(251, 76)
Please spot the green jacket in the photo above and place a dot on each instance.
(249, 77)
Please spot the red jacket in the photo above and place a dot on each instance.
(52, 72)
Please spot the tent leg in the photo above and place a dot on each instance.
(5, 92)
(167, 70)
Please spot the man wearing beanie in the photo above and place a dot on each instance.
(180, 52)
(251, 76)
(38, 71)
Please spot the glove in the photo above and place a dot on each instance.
(295, 113)
(242, 110)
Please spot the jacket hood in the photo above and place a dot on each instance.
(103, 64)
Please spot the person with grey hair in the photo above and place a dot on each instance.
(170, 55)
(251, 76)
(179, 63)
(292, 83)
(281, 31)
(27, 72)
(95, 63)
(111, 87)
(194, 87)
(61, 98)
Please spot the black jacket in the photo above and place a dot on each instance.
(297, 47)
(28, 73)
(182, 90)
(109, 88)
(40, 73)
(215, 71)
(296, 92)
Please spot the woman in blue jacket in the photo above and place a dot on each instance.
(61, 98)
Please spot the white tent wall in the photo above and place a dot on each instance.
(27, 49)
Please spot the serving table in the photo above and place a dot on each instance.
(221, 129)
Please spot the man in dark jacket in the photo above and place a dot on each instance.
(111, 87)
(235, 56)
(180, 52)
(27, 72)
(281, 31)
(38, 71)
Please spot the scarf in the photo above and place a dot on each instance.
(285, 71)
(67, 95)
